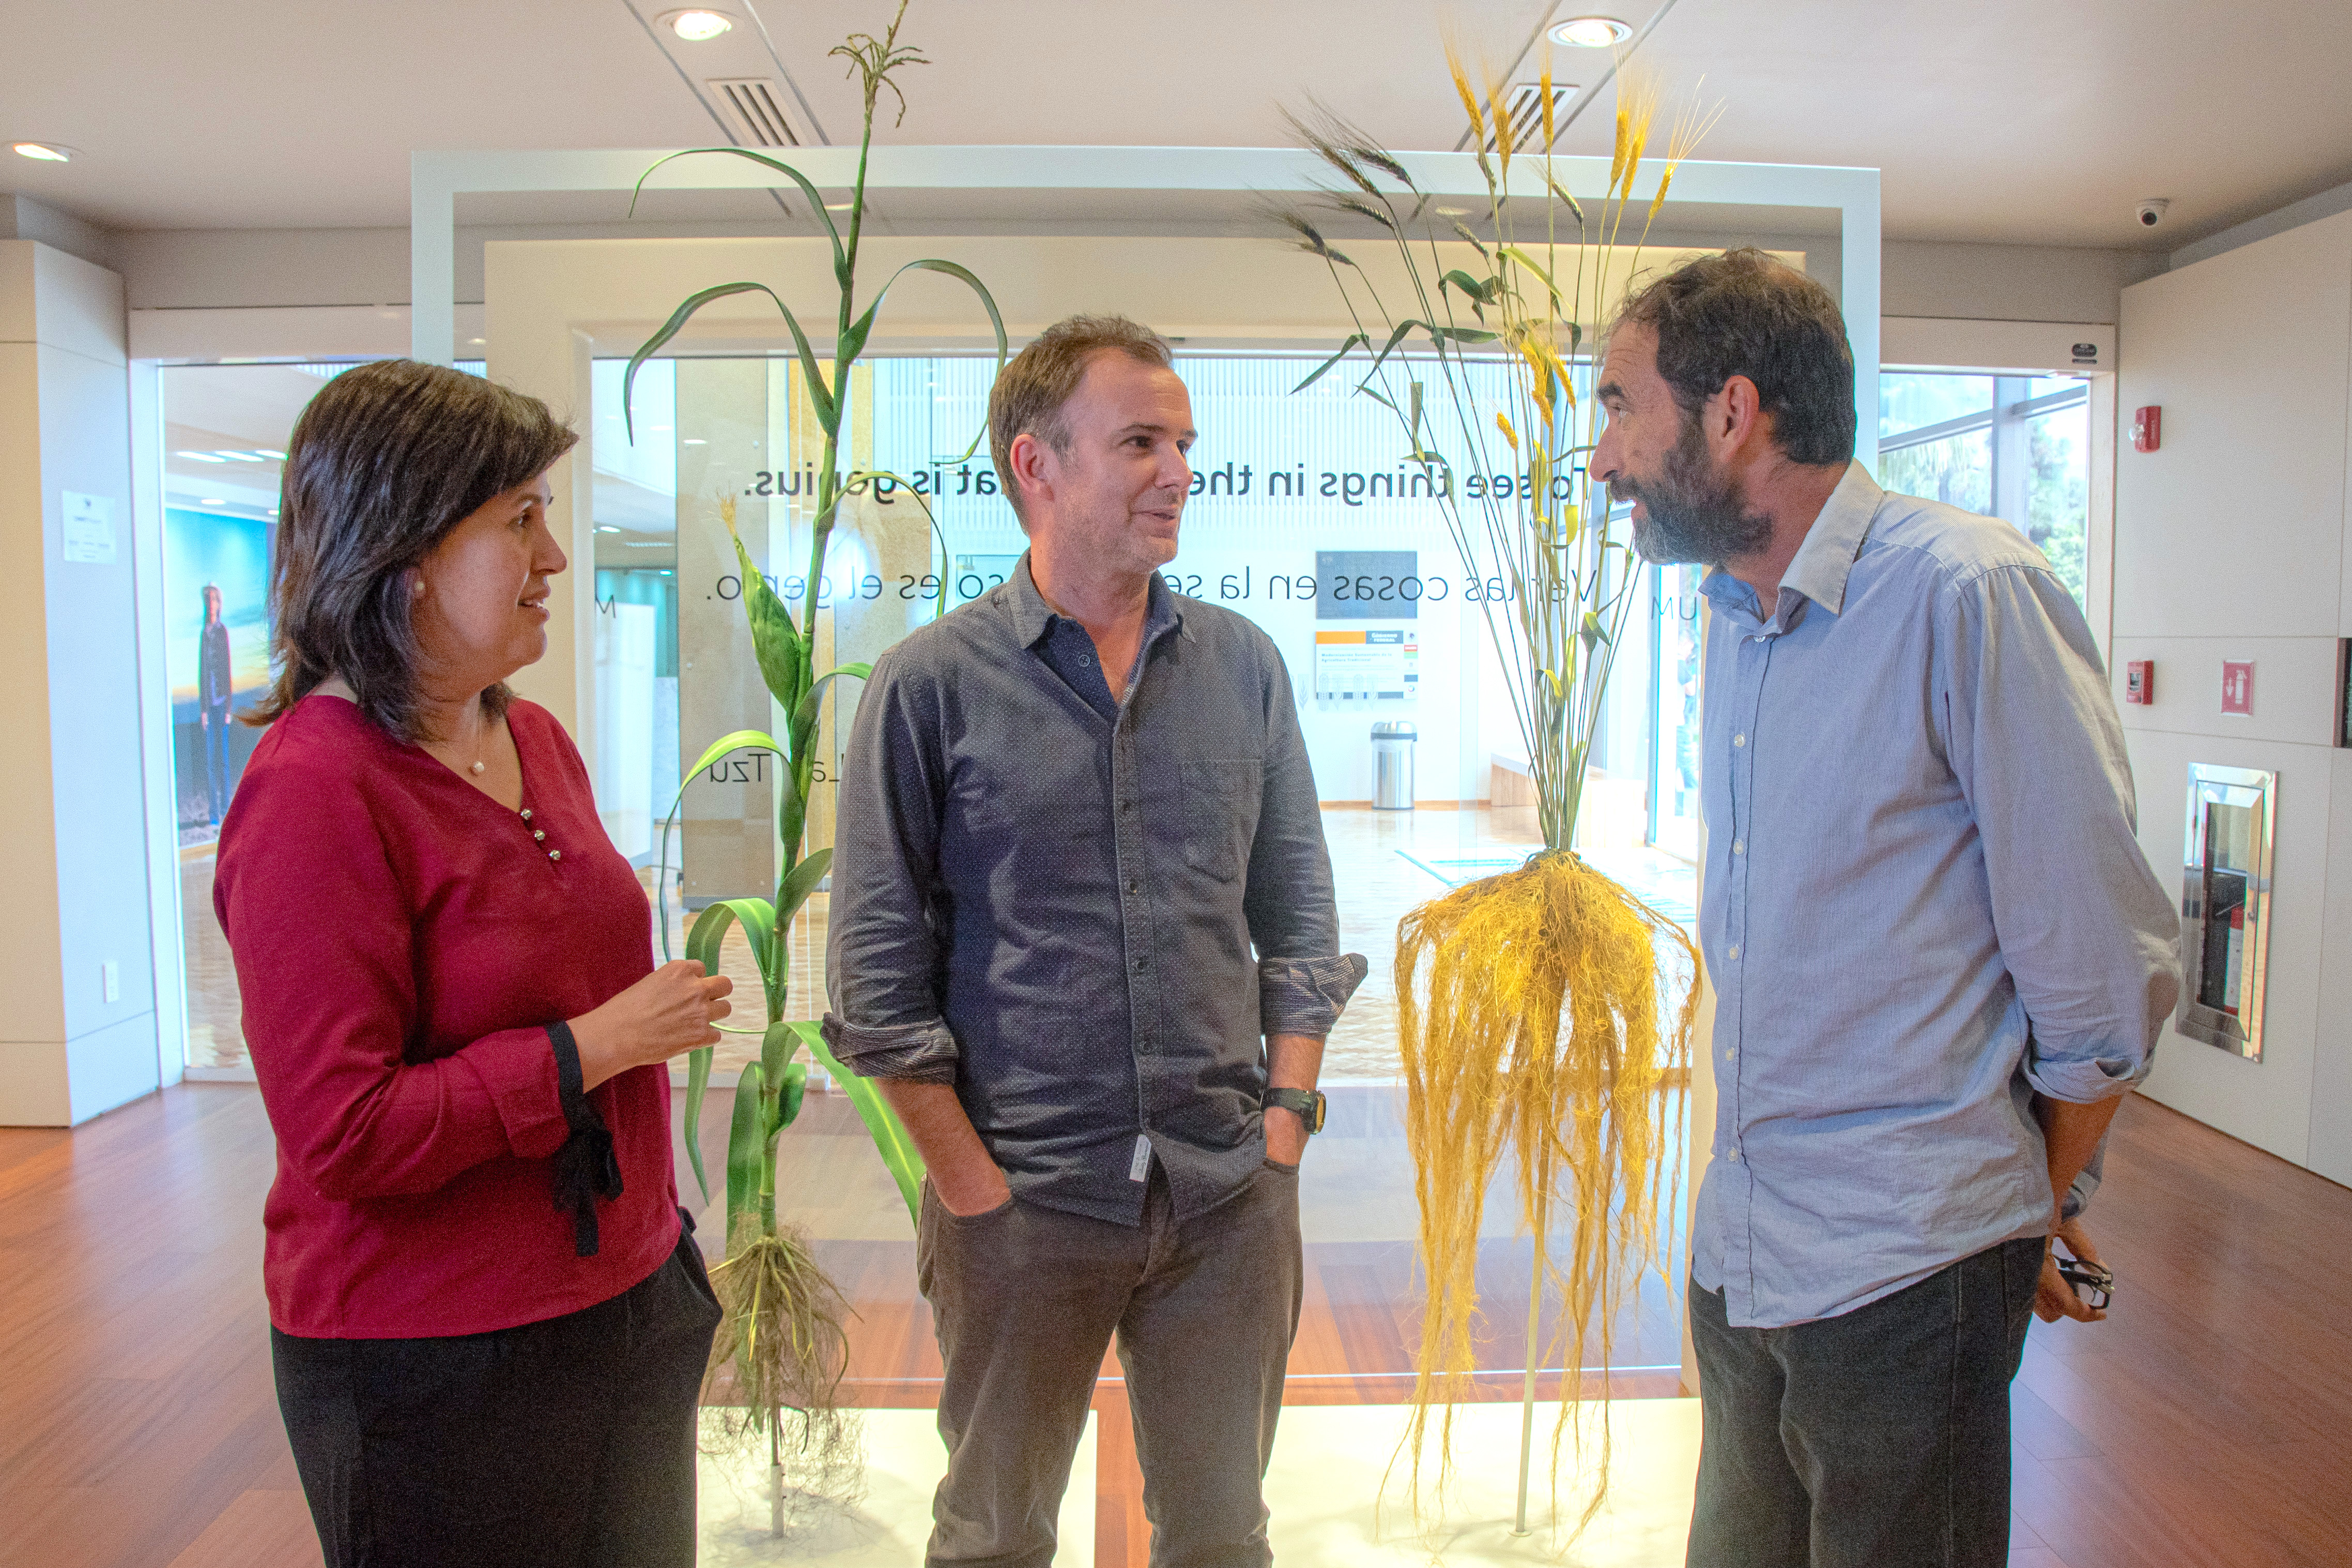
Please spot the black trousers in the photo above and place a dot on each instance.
(1876, 1439)
(1025, 1301)
(562, 1444)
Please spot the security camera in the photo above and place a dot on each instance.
(2151, 212)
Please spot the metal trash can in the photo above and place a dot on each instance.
(1392, 766)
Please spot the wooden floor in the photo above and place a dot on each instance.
(2208, 1423)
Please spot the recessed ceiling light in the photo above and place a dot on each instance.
(695, 441)
(213, 500)
(838, 206)
(697, 26)
(1591, 32)
(201, 456)
(606, 528)
(271, 453)
(45, 152)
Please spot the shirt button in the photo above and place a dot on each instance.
(1733, 1156)
(1086, 661)
(1732, 1055)
(1734, 950)
(1739, 847)
(1132, 884)
(1740, 739)
(1139, 965)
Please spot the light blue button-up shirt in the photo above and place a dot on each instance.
(1922, 901)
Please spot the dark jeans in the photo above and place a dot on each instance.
(562, 1444)
(1027, 1300)
(1876, 1439)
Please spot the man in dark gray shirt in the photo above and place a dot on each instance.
(1079, 877)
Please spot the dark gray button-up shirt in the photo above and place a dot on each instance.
(1084, 913)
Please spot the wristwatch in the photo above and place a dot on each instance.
(1307, 1102)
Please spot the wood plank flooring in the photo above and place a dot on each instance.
(2204, 1425)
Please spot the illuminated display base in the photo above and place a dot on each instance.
(1324, 1491)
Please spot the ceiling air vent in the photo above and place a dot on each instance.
(756, 109)
(1525, 101)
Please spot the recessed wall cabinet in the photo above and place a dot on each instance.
(2225, 906)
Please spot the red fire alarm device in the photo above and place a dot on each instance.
(2140, 681)
(2147, 429)
(2238, 687)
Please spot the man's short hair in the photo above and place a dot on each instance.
(1743, 313)
(1030, 394)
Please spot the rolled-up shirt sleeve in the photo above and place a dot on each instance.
(883, 951)
(2087, 932)
(1304, 980)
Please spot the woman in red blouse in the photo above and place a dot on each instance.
(489, 1324)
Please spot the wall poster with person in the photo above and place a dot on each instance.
(216, 630)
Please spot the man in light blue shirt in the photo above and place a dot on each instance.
(1939, 957)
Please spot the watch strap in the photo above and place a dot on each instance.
(1306, 1103)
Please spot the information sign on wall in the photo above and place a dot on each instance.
(1373, 663)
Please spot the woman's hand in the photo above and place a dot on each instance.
(668, 1012)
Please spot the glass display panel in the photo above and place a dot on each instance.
(1284, 483)
(1673, 778)
(2225, 906)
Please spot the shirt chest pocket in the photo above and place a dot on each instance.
(1220, 813)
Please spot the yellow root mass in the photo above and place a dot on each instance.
(1536, 1022)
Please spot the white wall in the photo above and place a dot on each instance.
(2230, 544)
(74, 839)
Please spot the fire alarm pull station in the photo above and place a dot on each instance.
(2140, 681)
(2147, 429)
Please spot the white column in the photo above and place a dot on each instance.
(78, 993)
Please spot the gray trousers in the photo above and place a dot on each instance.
(1026, 1299)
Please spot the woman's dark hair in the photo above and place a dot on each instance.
(1743, 313)
(386, 461)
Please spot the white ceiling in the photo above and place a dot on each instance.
(2005, 120)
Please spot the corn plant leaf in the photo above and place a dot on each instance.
(788, 1097)
(801, 880)
(853, 342)
(815, 200)
(1355, 341)
(734, 740)
(759, 920)
(698, 1086)
(782, 652)
(826, 410)
(891, 1140)
(747, 1141)
(807, 713)
(778, 1046)
(739, 741)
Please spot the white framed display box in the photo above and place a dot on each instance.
(2225, 905)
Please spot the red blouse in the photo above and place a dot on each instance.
(401, 940)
